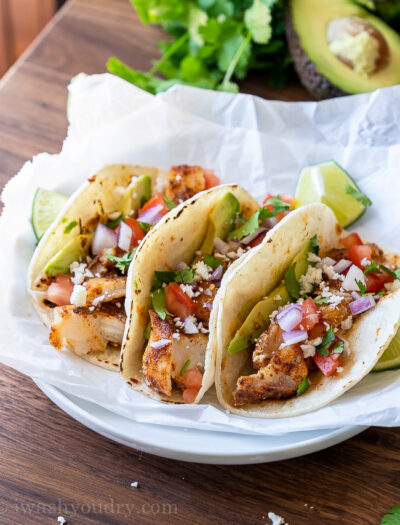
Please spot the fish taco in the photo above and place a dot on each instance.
(77, 276)
(304, 317)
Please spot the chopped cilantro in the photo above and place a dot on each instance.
(303, 386)
(360, 197)
(121, 262)
(371, 268)
(314, 246)
(395, 273)
(337, 348)
(170, 204)
(187, 363)
(361, 286)
(70, 226)
(291, 282)
(114, 223)
(184, 276)
(321, 300)
(158, 303)
(145, 226)
(392, 517)
(327, 340)
(212, 262)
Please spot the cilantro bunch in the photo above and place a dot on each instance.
(213, 42)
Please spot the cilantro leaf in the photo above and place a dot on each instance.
(303, 386)
(212, 262)
(170, 204)
(70, 226)
(392, 517)
(321, 300)
(257, 19)
(395, 273)
(114, 223)
(360, 197)
(337, 347)
(184, 276)
(146, 227)
(327, 340)
(278, 206)
(122, 262)
(314, 246)
(158, 303)
(361, 286)
(187, 363)
(291, 283)
(372, 267)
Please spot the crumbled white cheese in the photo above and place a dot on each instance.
(178, 177)
(277, 298)
(347, 323)
(78, 296)
(135, 484)
(99, 299)
(118, 304)
(176, 335)
(339, 369)
(273, 315)
(275, 519)
(61, 520)
(178, 322)
(393, 287)
(333, 299)
(79, 271)
(317, 341)
(202, 328)
(187, 289)
(202, 271)
(231, 255)
(312, 257)
(159, 185)
(307, 281)
(308, 350)
(365, 262)
(331, 274)
(92, 308)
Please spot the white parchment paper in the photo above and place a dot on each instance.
(258, 143)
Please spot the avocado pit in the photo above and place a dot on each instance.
(358, 44)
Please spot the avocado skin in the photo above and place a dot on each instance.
(315, 83)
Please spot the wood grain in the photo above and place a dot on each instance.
(50, 465)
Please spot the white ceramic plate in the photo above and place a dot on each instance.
(221, 448)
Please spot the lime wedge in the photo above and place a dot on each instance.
(326, 183)
(45, 208)
(391, 356)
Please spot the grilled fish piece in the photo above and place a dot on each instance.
(202, 312)
(279, 379)
(183, 182)
(268, 343)
(104, 289)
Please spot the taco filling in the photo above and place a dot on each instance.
(299, 330)
(182, 299)
(85, 281)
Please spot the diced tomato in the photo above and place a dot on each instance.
(192, 378)
(210, 179)
(351, 240)
(357, 253)
(178, 302)
(59, 292)
(327, 363)
(310, 314)
(157, 199)
(281, 215)
(189, 395)
(258, 240)
(137, 232)
(376, 281)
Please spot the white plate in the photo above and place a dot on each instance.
(220, 448)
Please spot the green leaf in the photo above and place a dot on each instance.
(327, 340)
(114, 223)
(192, 69)
(228, 51)
(196, 19)
(395, 273)
(230, 87)
(303, 386)
(314, 246)
(146, 227)
(250, 226)
(291, 283)
(158, 303)
(337, 348)
(70, 226)
(362, 287)
(371, 268)
(184, 276)
(212, 262)
(321, 300)
(170, 204)
(278, 206)
(257, 19)
(211, 31)
(187, 363)
(392, 517)
(360, 197)
(122, 262)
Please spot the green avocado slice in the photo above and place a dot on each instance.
(220, 221)
(258, 319)
(74, 250)
(136, 194)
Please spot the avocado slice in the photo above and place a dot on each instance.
(319, 69)
(258, 319)
(74, 250)
(136, 194)
(220, 221)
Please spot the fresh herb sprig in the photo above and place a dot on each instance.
(327, 340)
(122, 262)
(214, 42)
(184, 276)
(360, 197)
(392, 517)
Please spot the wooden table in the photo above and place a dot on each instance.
(49, 463)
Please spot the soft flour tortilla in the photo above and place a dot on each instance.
(95, 199)
(173, 240)
(256, 277)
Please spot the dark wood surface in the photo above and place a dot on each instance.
(50, 465)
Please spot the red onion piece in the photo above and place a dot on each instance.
(290, 317)
(217, 274)
(221, 246)
(294, 336)
(252, 236)
(103, 238)
(189, 326)
(362, 304)
(328, 261)
(160, 344)
(124, 237)
(342, 266)
(152, 215)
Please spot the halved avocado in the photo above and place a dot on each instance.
(320, 71)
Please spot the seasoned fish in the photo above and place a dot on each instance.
(184, 182)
